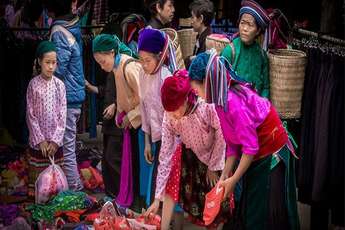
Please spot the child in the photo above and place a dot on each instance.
(245, 55)
(46, 114)
(153, 47)
(197, 125)
(254, 133)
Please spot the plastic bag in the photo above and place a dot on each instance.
(50, 182)
(110, 218)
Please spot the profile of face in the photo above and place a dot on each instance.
(148, 61)
(48, 64)
(179, 113)
(166, 14)
(199, 88)
(196, 22)
(105, 60)
(248, 29)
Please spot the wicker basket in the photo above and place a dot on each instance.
(287, 71)
(187, 38)
(185, 22)
(174, 38)
(217, 41)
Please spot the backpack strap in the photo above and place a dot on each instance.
(233, 53)
(124, 71)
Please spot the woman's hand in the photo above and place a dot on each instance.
(153, 208)
(212, 178)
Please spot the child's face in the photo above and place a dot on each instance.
(48, 64)
(105, 60)
(179, 113)
(199, 87)
(248, 29)
(196, 22)
(148, 61)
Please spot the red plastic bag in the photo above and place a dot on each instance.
(50, 182)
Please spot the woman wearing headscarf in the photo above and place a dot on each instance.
(255, 135)
(131, 25)
(114, 56)
(245, 54)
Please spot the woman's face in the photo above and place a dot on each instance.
(105, 60)
(248, 29)
(199, 87)
(48, 64)
(197, 22)
(179, 113)
(148, 61)
(167, 12)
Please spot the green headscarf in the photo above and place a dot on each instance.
(45, 47)
(108, 42)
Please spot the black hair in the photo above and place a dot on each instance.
(58, 7)
(151, 5)
(204, 8)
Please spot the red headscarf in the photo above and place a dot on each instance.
(175, 90)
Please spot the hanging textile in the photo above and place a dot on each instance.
(321, 164)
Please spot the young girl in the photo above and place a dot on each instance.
(197, 125)
(154, 50)
(46, 114)
(254, 133)
(113, 56)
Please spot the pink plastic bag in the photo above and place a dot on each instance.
(50, 182)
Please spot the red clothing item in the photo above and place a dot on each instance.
(271, 134)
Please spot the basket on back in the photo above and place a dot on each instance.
(287, 71)
(187, 39)
(174, 38)
(217, 41)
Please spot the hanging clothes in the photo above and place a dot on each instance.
(321, 166)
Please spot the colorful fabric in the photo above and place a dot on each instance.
(64, 201)
(239, 124)
(200, 131)
(130, 26)
(108, 42)
(127, 89)
(194, 189)
(253, 8)
(100, 11)
(173, 184)
(261, 17)
(250, 63)
(45, 47)
(151, 108)
(46, 110)
(175, 90)
(151, 40)
(38, 163)
(125, 196)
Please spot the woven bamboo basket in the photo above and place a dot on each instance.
(185, 22)
(287, 71)
(187, 38)
(174, 38)
(217, 41)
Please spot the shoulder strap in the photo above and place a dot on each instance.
(124, 71)
(70, 38)
(233, 53)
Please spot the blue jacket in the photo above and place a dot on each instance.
(67, 37)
